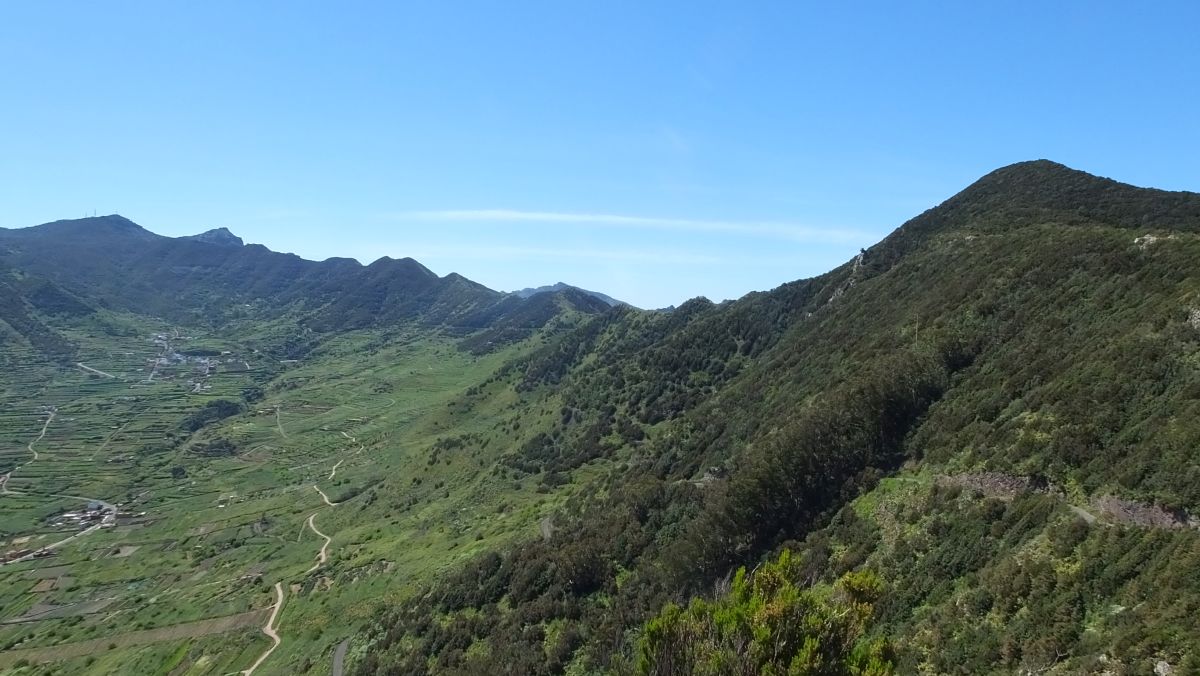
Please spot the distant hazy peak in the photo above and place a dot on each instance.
(563, 286)
(93, 224)
(220, 236)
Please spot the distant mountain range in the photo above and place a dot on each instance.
(76, 266)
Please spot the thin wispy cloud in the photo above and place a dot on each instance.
(775, 230)
(509, 253)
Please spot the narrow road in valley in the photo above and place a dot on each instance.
(333, 472)
(269, 630)
(325, 497)
(352, 439)
(98, 372)
(279, 424)
(42, 435)
(8, 475)
(339, 658)
(323, 555)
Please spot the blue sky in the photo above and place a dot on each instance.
(654, 151)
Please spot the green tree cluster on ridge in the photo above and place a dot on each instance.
(767, 624)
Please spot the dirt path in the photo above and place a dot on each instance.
(333, 472)
(269, 630)
(339, 658)
(98, 372)
(279, 424)
(41, 435)
(352, 439)
(326, 497)
(323, 555)
(7, 476)
(110, 437)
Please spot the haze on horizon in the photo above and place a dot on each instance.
(651, 153)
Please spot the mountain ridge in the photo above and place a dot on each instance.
(562, 286)
(121, 265)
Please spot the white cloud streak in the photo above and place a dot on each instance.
(503, 253)
(773, 230)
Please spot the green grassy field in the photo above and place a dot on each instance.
(181, 583)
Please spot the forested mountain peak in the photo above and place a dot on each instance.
(1042, 189)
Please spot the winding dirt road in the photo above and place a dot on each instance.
(269, 630)
(8, 475)
(323, 555)
(325, 498)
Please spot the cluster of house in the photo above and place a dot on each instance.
(95, 513)
(203, 366)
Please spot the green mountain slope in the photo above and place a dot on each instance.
(1038, 328)
(971, 449)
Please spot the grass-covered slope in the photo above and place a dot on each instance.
(1038, 329)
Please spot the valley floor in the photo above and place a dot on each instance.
(129, 551)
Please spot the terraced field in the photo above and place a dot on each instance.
(136, 545)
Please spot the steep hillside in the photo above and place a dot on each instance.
(24, 301)
(1037, 330)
